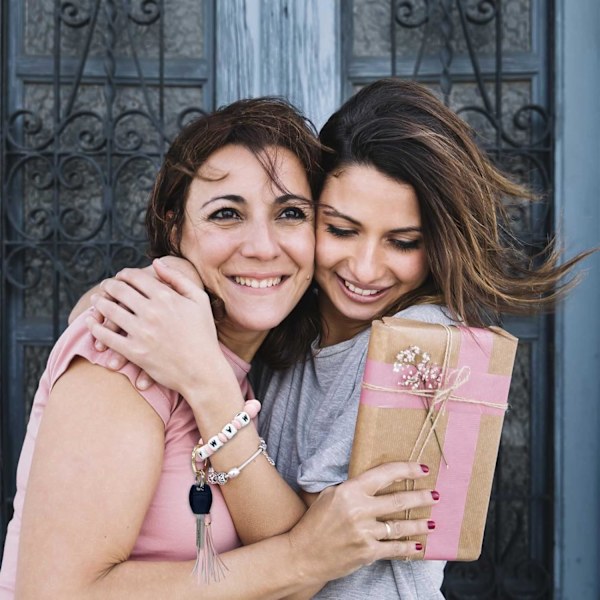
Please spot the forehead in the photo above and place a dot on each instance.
(366, 194)
(235, 162)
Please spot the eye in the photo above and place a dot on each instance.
(225, 214)
(405, 245)
(293, 213)
(339, 232)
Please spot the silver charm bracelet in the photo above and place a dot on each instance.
(222, 477)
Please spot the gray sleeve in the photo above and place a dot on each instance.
(428, 313)
(325, 456)
(328, 464)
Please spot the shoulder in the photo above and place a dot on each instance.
(428, 313)
(76, 341)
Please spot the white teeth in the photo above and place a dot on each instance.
(257, 283)
(358, 290)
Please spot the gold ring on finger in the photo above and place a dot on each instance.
(388, 530)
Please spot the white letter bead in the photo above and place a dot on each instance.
(243, 417)
(204, 453)
(215, 443)
(229, 431)
(233, 473)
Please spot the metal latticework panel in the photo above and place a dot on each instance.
(489, 61)
(92, 92)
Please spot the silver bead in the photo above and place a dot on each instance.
(233, 473)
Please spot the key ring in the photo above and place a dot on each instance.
(199, 473)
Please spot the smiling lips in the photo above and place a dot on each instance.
(364, 293)
(257, 283)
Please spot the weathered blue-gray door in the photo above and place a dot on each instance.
(92, 90)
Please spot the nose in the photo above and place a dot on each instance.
(368, 264)
(260, 240)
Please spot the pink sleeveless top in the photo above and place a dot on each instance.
(169, 529)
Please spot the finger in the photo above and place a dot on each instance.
(94, 314)
(398, 549)
(126, 294)
(112, 311)
(144, 281)
(117, 361)
(177, 280)
(183, 266)
(403, 528)
(143, 381)
(382, 476)
(99, 346)
(395, 502)
(115, 341)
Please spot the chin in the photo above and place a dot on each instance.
(258, 323)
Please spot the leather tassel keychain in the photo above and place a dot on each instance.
(209, 566)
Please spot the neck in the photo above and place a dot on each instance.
(245, 345)
(337, 327)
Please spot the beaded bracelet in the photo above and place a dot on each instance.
(222, 477)
(216, 442)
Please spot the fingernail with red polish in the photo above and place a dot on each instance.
(425, 468)
(430, 524)
(435, 495)
(418, 546)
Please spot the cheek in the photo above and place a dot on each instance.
(327, 251)
(206, 253)
(417, 268)
(301, 247)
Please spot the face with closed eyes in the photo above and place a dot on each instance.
(370, 249)
(252, 241)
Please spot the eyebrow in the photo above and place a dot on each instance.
(332, 212)
(241, 200)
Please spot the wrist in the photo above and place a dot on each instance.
(206, 382)
(305, 562)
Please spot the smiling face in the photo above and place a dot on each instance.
(251, 241)
(370, 249)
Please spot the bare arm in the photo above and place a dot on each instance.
(95, 467)
(96, 464)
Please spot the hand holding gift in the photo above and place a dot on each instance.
(437, 394)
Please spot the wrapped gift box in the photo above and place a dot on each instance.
(437, 395)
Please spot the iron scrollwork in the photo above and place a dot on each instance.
(85, 171)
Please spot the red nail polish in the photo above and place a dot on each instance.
(425, 468)
(418, 546)
(430, 524)
(435, 495)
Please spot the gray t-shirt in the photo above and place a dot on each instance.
(307, 418)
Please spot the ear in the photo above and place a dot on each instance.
(173, 230)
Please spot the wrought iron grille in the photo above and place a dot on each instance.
(92, 90)
(489, 61)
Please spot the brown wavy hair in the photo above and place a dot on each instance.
(256, 124)
(478, 267)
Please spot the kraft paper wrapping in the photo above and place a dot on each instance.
(395, 423)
